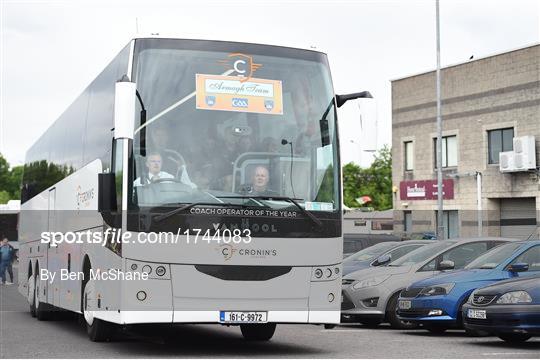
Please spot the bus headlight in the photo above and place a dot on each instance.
(147, 269)
(153, 270)
(325, 273)
(160, 271)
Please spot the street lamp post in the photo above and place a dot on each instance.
(440, 226)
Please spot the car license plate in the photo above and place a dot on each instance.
(243, 316)
(476, 314)
(404, 304)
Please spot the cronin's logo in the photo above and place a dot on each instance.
(228, 250)
(84, 197)
(242, 64)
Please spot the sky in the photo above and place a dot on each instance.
(51, 50)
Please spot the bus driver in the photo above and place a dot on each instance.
(154, 163)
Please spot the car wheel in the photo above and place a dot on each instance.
(258, 332)
(391, 315)
(329, 326)
(514, 338)
(98, 330)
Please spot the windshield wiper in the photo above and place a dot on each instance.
(312, 217)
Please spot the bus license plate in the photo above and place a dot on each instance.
(243, 316)
(404, 304)
(476, 314)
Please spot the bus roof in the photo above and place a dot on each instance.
(283, 44)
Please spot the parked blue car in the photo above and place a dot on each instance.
(380, 254)
(509, 309)
(437, 302)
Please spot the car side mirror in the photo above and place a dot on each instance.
(518, 267)
(383, 260)
(447, 265)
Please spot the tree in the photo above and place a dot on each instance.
(10, 181)
(375, 181)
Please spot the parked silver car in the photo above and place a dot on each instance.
(370, 295)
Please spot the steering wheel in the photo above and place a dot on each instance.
(175, 158)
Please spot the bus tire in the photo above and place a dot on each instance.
(258, 332)
(98, 330)
(42, 310)
(31, 297)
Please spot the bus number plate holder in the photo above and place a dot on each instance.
(243, 317)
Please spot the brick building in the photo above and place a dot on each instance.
(487, 105)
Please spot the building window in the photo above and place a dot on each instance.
(449, 151)
(407, 223)
(382, 225)
(499, 140)
(450, 223)
(360, 222)
(409, 156)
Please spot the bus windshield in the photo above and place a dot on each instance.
(231, 123)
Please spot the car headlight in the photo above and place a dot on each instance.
(374, 281)
(441, 289)
(470, 299)
(515, 297)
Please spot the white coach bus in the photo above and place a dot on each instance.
(211, 170)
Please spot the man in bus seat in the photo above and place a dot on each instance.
(259, 182)
(154, 163)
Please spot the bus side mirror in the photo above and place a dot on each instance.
(342, 99)
(107, 205)
(124, 109)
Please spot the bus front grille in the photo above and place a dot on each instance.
(243, 272)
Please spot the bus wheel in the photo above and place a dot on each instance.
(97, 329)
(31, 297)
(41, 309)
(258, 332)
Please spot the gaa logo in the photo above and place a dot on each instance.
(240, 102)
(269, 104)
(210, 100)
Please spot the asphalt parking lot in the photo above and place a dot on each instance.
(22, 336)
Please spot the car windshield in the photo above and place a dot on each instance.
(422, 254)
(227, 123)
(494, 257)
(371, 252)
